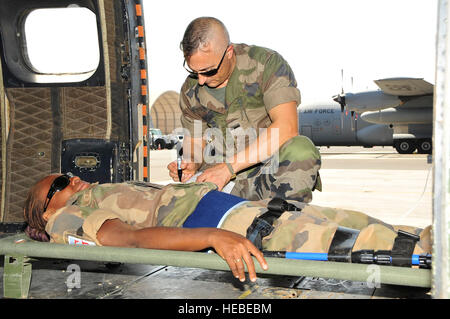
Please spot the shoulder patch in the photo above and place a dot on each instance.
(74, 240)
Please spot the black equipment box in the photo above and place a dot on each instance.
(93, 160)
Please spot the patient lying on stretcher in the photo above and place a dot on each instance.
(191, 217)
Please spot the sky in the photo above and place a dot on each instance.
(367, 39)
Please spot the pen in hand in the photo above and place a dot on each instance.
(179, 159)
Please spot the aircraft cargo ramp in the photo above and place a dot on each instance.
(378, 181)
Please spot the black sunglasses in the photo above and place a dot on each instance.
(58, 184)
(206, 73)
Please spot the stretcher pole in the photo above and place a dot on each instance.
(20, 246)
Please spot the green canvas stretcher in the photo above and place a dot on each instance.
(17, 250)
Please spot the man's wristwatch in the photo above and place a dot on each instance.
(230, 168)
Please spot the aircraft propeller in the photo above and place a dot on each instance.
(352, 113)
(340, 98)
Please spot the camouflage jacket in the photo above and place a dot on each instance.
(138, 204)
(261, 80)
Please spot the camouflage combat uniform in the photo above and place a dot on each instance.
(138, 204)
(260, 81)
(310, 230)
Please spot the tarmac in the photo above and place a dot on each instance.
(395, 188)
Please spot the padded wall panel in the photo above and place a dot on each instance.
(29, 145)
(84, 112)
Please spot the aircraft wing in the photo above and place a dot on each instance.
(405, 86)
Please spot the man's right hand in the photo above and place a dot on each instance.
(189, 169)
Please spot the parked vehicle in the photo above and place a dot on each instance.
(160, 141)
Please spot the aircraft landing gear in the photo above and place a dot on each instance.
(405, 146)
(424, 146)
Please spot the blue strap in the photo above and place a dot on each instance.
(211, 208)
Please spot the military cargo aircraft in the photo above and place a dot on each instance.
(399, 115)
(324, 124)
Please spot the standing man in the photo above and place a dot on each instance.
(239, 114)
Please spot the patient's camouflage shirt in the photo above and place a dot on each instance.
(138, 204)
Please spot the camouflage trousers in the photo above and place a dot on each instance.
(312, 229)
(290, 174)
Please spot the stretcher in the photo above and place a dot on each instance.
(19, 251)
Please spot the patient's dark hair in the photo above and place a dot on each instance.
(33, 214)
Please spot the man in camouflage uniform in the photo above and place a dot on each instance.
(243, 100)
(147, 207)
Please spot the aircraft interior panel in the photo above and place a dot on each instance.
(44, 110)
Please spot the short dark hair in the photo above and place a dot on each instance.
(198, 33)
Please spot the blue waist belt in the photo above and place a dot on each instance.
(212, 209)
